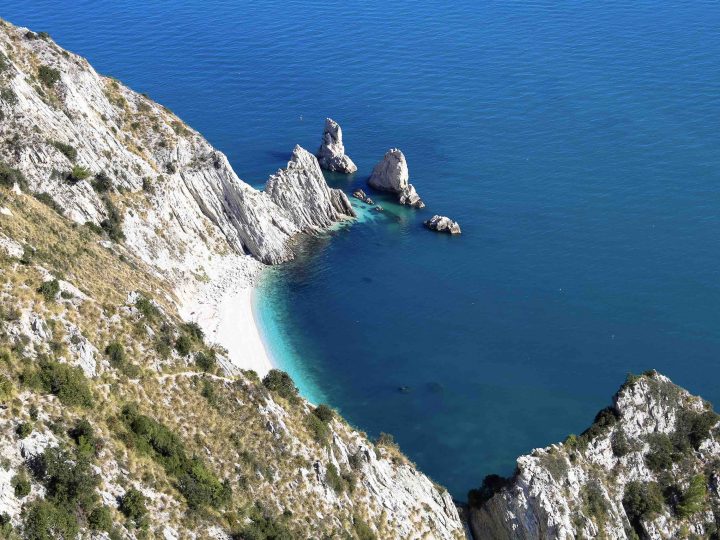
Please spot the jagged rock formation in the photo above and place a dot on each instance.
(361, 195)
(647, 468)
(60, 115)
(166, 215)
(300, 189)
(391, 174)
(442, 224)
(331, 154)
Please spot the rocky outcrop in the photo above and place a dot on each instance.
(646, 468)
(301, 190)
(61, 115)
(391, 174)
(442, 224)
(331, 154)
(361, 195)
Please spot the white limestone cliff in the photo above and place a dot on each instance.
(302, 192)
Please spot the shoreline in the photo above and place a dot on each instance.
(224, 307)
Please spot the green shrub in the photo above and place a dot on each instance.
(102, 182)
(10, 176)
(660, 456)
(198, 485)
(695, 426)
(47, 200)
(48, 76)
(49, 289)
(24, 429)
(100, 519)
(9, 96)
(66, 382)
(209, 393)
(619, 443)
(333, 478)
(116, 355)
(43, 520)
(6, 388)
(193, 330)
(133, 506)
(21, 484)
(83, 434)
(67, 150)
(642, 501)
(4, 63)
(183, 345)
(148, 309)
(6, 527)
(693, 499)
(205, 361)
(77, 174)
(264, 527)
(319, 429)
(280, 382)
(324, 413)
(594, 503)
(112, 225)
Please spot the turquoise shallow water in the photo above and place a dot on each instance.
(575, 142)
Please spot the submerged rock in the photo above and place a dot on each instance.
(443, 224)
(301, 190)
(360, 194)
(392, 175)
(331, 154)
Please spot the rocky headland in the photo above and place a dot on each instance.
(391, 174)
(331, 154)
(647, 468)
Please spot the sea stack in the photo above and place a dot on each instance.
(331, 154)
(443, 224)
(392, 175)
(301, 190)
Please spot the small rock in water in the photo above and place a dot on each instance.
(404, 389)
(360, 194)
(443, 224)
(378, 208)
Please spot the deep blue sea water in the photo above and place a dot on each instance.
(576, 142)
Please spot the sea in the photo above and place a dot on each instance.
(575, 142)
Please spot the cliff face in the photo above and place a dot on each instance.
(647, 468)
(123, 217)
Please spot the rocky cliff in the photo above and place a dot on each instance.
(646, 468)
(302, 192)
(122, 419)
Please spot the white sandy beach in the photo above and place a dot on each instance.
(224, 310)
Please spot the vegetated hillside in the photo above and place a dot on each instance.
(648, 467)
(118, 417)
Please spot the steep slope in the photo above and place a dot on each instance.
(119, 418)
(647, 468)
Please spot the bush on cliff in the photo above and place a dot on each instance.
(280, 382)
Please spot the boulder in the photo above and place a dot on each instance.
(331, 154)
(391, 174)
(443, 224)
(361, 195)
